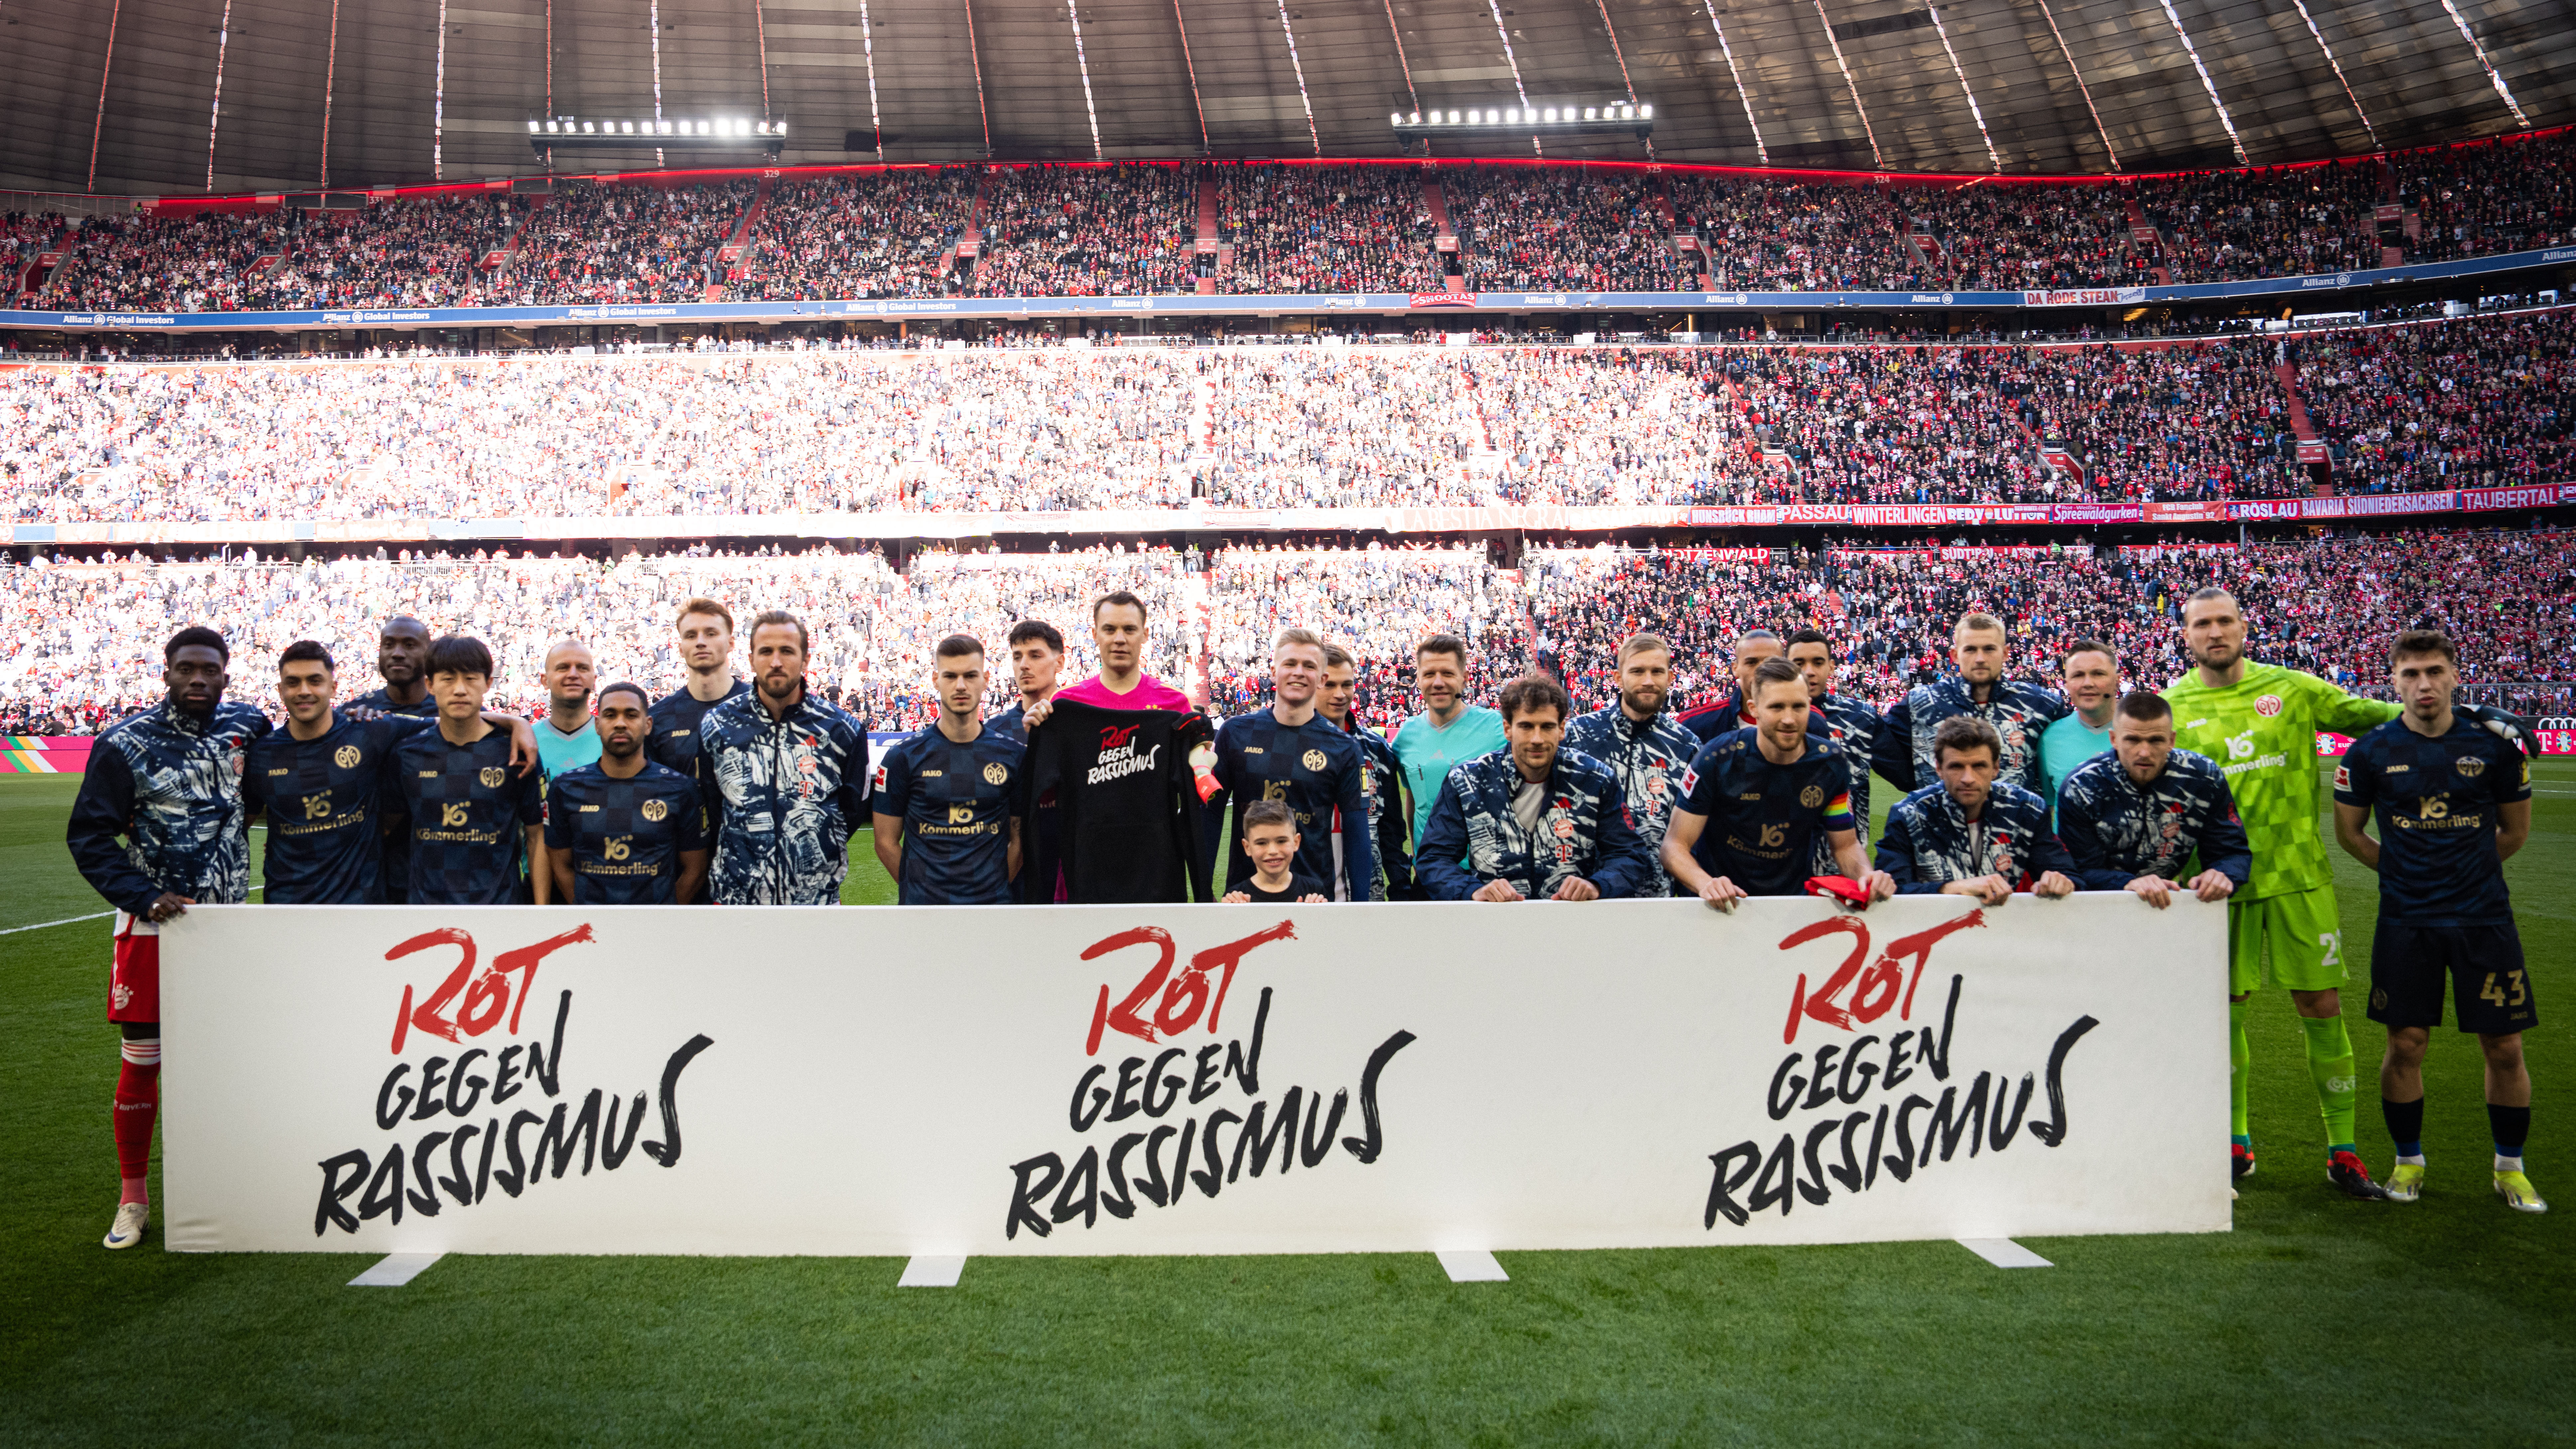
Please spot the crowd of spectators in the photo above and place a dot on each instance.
(611, 244)
(2453, 403)
(1538, 229)
(85, 638)
(1129, 228)
(1088, 231)
(2328, 606)
(422, 252)
(889, 234)
(1316, 229)
(2426, 407)
(1375, 602)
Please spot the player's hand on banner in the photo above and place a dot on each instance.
(1313, 898)
(1882, 886)
(1576, 888)
(1235, 898)
(1990, 890)
(1721, 893)
(2513, 729)
(1496, 890)
(2211, 885)
(169, 904)
(2052, 886)
(1036, 714)
(2157, 891)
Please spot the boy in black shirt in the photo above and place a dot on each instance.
(1270, 838)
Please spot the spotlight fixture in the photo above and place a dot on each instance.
(694, 133)
(1618, 118)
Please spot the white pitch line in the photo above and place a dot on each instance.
(2004, 1253)
(932, 1270)
(1472, 1265)
(395, 1269)
(65, 921)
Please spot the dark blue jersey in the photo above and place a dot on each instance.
(625, 836)
(678, 719)
(2436, 800)
(1315, 770)
(1764, 820)
(466, 813)
(381, 703)
(393, 885)
(955, 804)
(323, 799)
(1012, 723)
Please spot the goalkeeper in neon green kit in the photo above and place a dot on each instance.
(2260, 723)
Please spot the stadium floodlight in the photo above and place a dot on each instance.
(692, 133)
(1617, 118)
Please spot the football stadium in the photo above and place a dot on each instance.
(1323, 721)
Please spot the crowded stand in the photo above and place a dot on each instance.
(2327, 606)
(1129, 229)
(1375, 602)
(1113, 231)
(2455, 403)
(2226, 226)
(892, 234)
(415, 252)
(2493, 196)
(88, 635)
(1526, 228)
(625, 244)
(2415, 408)
(1308, 229)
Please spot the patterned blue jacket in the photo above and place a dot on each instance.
(1583, 831)
(171, 786)
(2018, 712)
(2117, 830)
(1928, 843)
(1649, 759)
(790, 792)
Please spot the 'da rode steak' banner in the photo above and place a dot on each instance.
(1207, 1079)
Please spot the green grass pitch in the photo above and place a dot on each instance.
(2316, 1320)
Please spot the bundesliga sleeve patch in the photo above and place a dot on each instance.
(2343, 777)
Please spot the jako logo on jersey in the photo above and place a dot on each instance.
(2268, 706)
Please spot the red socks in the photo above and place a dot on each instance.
(138, 1103)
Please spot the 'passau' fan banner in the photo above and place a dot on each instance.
(1208, 1079)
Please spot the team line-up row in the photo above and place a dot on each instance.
(1112, 790)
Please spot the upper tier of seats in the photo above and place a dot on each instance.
(1142, 228)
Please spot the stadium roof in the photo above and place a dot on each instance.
(2061, 85)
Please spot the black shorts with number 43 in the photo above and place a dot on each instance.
(2482, 965)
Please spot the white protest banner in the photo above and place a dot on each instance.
(1189, 1079)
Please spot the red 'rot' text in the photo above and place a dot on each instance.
(1184, 996)
(484, 997)
(1872, 991)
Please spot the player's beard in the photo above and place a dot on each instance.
(1648, 702)
(2218, 653)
